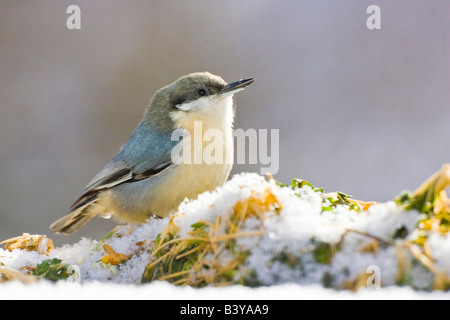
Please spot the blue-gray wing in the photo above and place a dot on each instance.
(145, 154)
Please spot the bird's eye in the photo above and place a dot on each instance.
(201, 92)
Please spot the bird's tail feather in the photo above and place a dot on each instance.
(83, 210)
(72, 222)
(75, 219)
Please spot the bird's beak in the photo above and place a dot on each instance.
(235, 87)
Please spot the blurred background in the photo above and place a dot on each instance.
(361, 111)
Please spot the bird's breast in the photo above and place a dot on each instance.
(208, 167)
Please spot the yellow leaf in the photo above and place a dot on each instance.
(113, 257)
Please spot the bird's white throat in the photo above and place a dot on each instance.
(206, 130)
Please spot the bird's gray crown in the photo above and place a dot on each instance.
(184, 90)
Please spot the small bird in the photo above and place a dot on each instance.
(143, 180)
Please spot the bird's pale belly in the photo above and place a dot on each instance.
(162, 198)
(161, 195)
(188, 181)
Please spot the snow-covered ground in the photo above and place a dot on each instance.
(307, 244)
(165, 291)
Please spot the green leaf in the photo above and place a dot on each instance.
(158, 239)
(280, 184)
(401, 232)
(198, 225)
(299, 183)
(404, 197)
(53, 270)
(45, 266)
(187, 265)
(343, 196)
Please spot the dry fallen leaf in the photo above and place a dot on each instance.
(7, 274)
(113, 257)
(371, 247)
(367, 205)
(257, 206)
(358, 282)
(39, 243)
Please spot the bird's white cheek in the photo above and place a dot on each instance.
(188, 112)
(198, 105)
(212, 112)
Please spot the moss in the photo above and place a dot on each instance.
(323, 253)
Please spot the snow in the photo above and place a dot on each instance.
(291, 236)
(165, 291)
